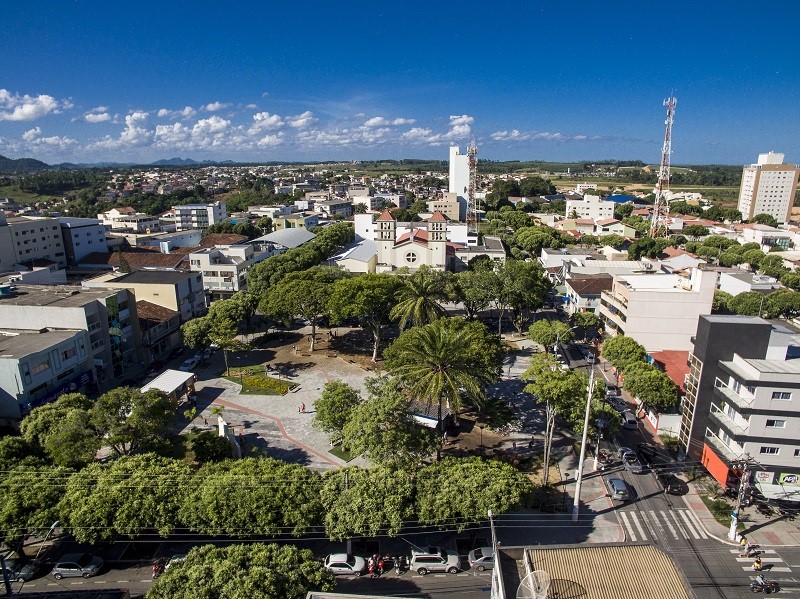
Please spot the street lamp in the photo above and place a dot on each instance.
(480, 428)
(576, 506)
(558, 337)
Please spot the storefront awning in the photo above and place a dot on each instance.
(787, 492)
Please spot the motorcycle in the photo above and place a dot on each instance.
(766, 587)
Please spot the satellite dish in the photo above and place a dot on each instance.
(534, 586)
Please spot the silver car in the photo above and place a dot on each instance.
(434, 559)
(343, 563)
(481, 558)
(77, 564)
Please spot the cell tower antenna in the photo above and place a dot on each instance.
(472, 208)
(658, 225)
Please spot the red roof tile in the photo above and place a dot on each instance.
(385, 216)
(675, 364)
(438, 217)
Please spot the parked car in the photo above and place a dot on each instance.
(631, 462)
(629, 420)
(344, 563)
(481, 558)
(647, 452)
(617, 403)
(175, 559)
(434, 559)
(611, 390)
(189, 364)
(178, 351)
(77, 564)
(19, 571)
(618, 489)
(208, 352)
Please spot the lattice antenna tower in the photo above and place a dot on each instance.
(472, 208)
(658, 225)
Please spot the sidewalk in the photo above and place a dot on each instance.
(761, 530)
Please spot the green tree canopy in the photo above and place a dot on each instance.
(546, 332)
(369, 298)
(63, 430)
(208, 446)
(252, 497)
(128, 496)
(419, 300)
(129, 420)
(446, 361)
(304, 294)
(366, 501)
(749, 303)
(651, 386)
(383, 428)
(253, 570)
(622, 351)
(612, 240)
(536, 186)
(586, 320)
(695, 231)
(523, 289)
(29, 494)
(457, 492)
(474, 288)
(764, 219)
(783, 303)
(720, 303)
(332, 410)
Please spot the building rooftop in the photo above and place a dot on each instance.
(14, 346)
(675, 363)
(73, 221)
(590, 284)
(213, 239)
(361, 251)
(62, 296)
(152, 314)
(153, 277)
(603, 572)
(288, 238)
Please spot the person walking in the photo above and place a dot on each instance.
(302, 409)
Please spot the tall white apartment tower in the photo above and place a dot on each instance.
(768, 187)
(459, 172)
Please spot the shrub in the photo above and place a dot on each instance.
(265, 383)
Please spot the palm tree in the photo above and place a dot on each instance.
(445, 362)
(419, 297)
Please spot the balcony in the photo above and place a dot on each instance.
(725, 392)
(719, 417)
(721, 447)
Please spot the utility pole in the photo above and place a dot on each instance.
(576, 506)
(745, 464)
(6, 581)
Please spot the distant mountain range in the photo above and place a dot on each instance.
(31, 165)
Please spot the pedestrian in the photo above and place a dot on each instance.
(302, 408)
(742, 540)
(381, 565)
(530, 444)
(514, 445)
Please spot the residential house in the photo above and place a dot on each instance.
(82, 236)
(199, 216)
(583, 292)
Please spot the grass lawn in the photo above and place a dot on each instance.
(342, 454)
(25, 197)
(255, 382)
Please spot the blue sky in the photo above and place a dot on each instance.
(92, 81)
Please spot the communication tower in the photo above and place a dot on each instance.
(472, 208)
(658, 225)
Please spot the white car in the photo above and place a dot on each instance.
(343, 563)
(189, 364)
(617, 403)
(629, 420)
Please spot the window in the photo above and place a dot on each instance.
(41, 367)
(768, 450)
(782, 395)
(776, 424)
(411, 257)
(68, 353)
(797, 453)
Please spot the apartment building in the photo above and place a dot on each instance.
(583, 292)
(224, 268)
(161, 329)
(768, 187)
(36, 238)
(108, 316)
(450, 205)
(127, 219)
(8, 257)
(743, 401)
(298, 220)
(199, 216)
(458, 179)
(82, 236)
(590, 206)
(658, 310)
(336, 207)
(173, 289)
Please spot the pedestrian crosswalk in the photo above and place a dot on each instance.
(771, 561)
(646, 525)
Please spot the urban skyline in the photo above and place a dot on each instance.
(93, 82)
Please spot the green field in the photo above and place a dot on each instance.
(24, 197)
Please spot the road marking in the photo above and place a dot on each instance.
(649, 527)
(657, 522)
(768, 570)
(635, 519)
(771, 560)
(628, 526)
(688, 523)
(698, 525)
(669, 525)
(678, 524)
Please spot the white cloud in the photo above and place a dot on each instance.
(461, 120)
(402, 121)
(265, 94)
(264, 121)
(186, 113)
(516, 135)
(417, 134)
(251, 106)
(32, 134)
(171, 135)
(379, 121)
(301, 121)
(33, 137)
(28, 108)
(215, 106)
(96, 117)
(270, 140)
(509, 135)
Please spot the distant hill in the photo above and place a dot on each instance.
(21, 165)
(174, 162)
